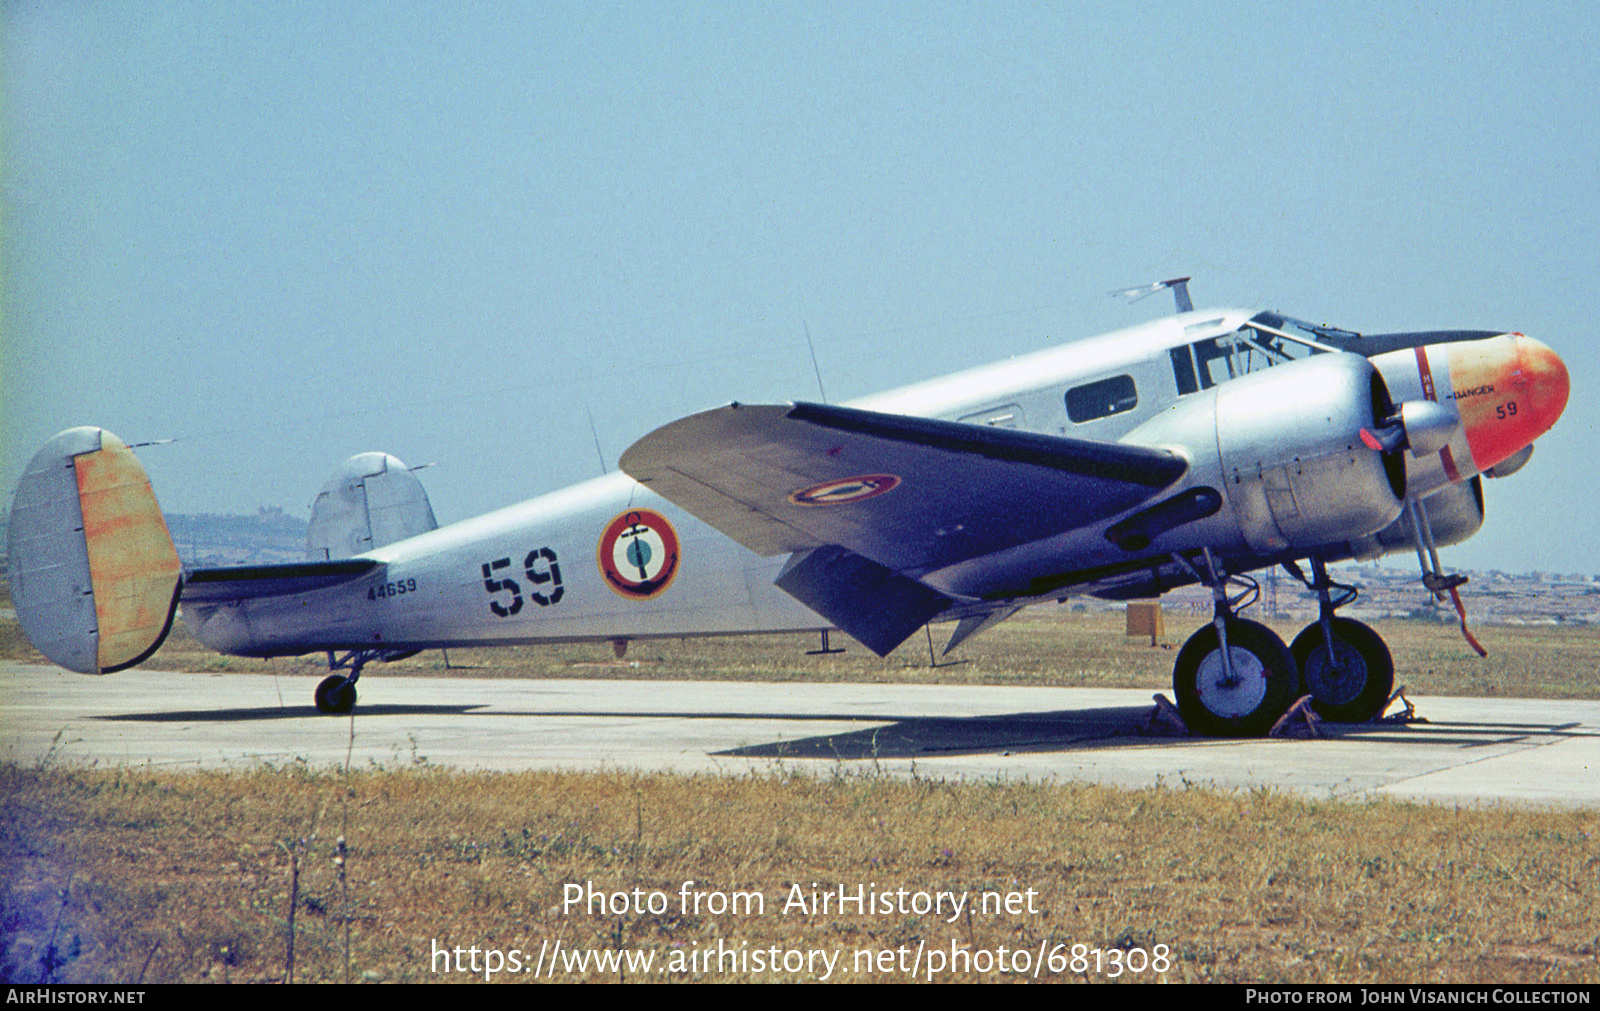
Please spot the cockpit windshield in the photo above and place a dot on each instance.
(1268, 339)
(1319, 332)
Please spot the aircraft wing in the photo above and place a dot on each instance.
(910, 494)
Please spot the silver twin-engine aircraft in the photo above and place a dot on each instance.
(1193, 449)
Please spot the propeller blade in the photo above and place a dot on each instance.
(1384, 440)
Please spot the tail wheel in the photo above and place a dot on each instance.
(336, 694)
(1263, 682)
(1354, 684)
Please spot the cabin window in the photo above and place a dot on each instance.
(1101, 399)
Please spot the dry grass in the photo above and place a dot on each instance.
(186, 877)
(126, 875)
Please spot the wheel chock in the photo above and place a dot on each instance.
(1165, 720)
(1300, 721)
(1406, 715)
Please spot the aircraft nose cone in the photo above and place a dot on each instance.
(1509, 390)
(1544, 376)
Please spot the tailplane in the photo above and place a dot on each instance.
(94, 575)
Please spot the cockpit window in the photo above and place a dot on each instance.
(1319, 332)
(1217, 360)
(1268, 339)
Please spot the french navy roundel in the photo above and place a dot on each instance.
(850, 489)
(638, 554)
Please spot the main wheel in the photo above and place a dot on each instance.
(1354, 686)
(336, 694)
(1265, 679)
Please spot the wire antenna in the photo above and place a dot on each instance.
(814, 367)
(598, 452)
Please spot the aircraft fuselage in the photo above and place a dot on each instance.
(557, 567)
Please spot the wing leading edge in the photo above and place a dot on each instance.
(246, 582)
(906, 495)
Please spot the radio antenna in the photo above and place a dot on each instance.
(814, 367)
(600, 454)
(1179, 286)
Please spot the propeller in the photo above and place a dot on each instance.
(1384, 438)
(1422, 426)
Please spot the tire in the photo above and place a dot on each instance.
(1357, 689)
(1267, 680)
(336, 695)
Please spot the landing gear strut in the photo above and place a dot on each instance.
(1344, 665)
(337, 692)
(1234, 677)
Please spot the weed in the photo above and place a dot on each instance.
(200, 875)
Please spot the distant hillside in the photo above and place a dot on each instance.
(269, 536)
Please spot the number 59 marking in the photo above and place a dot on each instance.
(541, 568)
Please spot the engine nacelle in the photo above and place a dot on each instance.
(1284, 447)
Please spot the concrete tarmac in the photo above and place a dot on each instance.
(1476, 751)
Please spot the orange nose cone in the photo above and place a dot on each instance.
(1509, 390)
(1547, 383)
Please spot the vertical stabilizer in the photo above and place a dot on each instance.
(371, 500)
(94, 575)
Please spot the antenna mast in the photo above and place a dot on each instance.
(1179, 286)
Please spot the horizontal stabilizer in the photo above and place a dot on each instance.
(94, 575)
(878, 606)
(913, 494)
(245, 582)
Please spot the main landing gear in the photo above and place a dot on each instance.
(1344, 665)
(1235, 677)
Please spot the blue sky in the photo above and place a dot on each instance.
(282, 234)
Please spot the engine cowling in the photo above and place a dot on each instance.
(1284, 447)
(1454, 514)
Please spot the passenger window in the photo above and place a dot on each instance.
(1101, 399)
